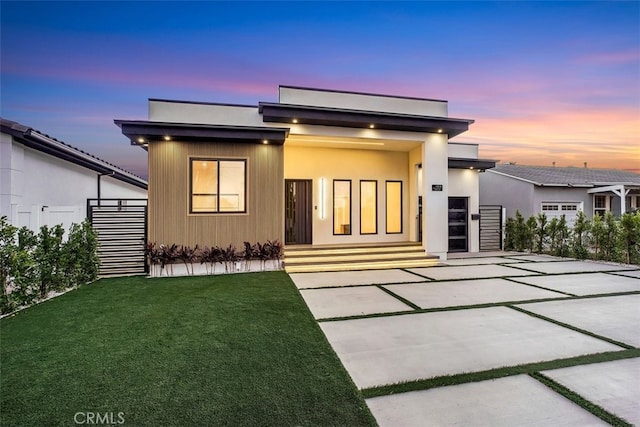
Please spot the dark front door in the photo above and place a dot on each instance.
(458, 224)
(298, 214)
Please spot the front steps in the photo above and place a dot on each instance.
(306, 259)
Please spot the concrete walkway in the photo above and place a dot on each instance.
(485, 314)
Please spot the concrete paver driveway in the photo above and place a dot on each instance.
(500, 340)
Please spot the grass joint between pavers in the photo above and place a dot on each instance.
(468, 377)
(573, 328)
(586, 404)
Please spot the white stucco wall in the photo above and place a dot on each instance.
(463, 150)
(203, 113)
(38, 189)
(367, 102)
(435, 204)
(355, 165)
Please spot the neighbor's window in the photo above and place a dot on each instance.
(341, 206)
(394, 207)
(600, 205)
(368, 207)
(218, 185)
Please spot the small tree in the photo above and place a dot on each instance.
(610, 241)
(562, 238)
(597, 236)
(552, 232)
(630, 236)
(520, 235)
(530, 234)
(48, 256)
(581, 228)
(509, 234)
(541, 230)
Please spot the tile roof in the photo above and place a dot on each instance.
(568, 176)
(62, 150)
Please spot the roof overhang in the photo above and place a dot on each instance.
(462, 163)
(304, 114)
(142, 133)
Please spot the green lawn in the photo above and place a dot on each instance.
(238, 350)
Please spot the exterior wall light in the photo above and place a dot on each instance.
(322, 197)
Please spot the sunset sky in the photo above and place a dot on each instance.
(545, 81)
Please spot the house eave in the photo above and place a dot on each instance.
(324, 116)
(464, 163)
(142, 132)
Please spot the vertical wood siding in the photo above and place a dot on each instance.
(169, 218)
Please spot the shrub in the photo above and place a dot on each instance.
(540, 232)
(630, 237)
(604, 238)
(32, 265)
(581, 228)
(509, 234)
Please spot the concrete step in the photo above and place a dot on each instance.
(353, 266)
(356, 257)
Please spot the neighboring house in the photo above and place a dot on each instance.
(560, 191)
(318, 167)
(44, 181)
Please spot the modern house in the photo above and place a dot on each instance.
(560, 191)
(44, 181)
(318, 167)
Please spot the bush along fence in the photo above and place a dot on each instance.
(603, 238)
(35, 265)
(180, 260)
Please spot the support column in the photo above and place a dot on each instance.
(435, 195)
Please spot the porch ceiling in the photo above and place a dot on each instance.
(351, 143)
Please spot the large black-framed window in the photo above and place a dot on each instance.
(393, 207)
(217, 185)
(368, 206)
(341, 206)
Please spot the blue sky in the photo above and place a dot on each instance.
(545, 81)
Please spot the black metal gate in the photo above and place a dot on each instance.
(121, 225)
(490, 228)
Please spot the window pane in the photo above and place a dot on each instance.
(394, 207)
(232, 187)
(368, 207)
(204, 185)
(341, 207)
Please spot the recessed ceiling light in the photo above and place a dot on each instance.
(295, 120)
(439, 130)
(140, 140)
(167, 138)
(371, 126)
(265, 141)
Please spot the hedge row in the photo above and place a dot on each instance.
(34, 264)
(604, 238)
